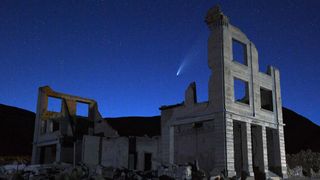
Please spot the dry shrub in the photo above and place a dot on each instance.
(307, 159)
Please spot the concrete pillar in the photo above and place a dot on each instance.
(282, 152)
(58, 152)
(171, 144)
(278, 113)
(41, 107)
(265, 152)
(255, 79)
(230, 148)
(249, 169)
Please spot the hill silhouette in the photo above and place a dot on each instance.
(136, 126)
(16, 131)
(17, 125)
(300, 133)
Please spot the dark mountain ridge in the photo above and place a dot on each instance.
(136, 126)
(16, 131)
(17, 125)
(300, 133)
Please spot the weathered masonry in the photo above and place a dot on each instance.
(58, 134)
(64, 135)
(237, 132)
(234, 133)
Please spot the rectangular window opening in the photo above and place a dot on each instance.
(54, 104)
(239, 52)
(266, 99)
(241, 91)
(82, 109)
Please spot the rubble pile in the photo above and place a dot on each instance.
(64, 171)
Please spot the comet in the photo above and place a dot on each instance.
(190, 56)
(179, 70)
(182, 65)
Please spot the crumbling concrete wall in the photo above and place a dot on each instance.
(62, 130)
(195, 127)
(88, 139)
(223, 109)
(109, 152)
(115, 152)
(151, 146)
(91, 150)
(199, 141)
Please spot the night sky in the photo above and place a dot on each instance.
(125, 54)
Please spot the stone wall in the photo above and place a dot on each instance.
(248, 117)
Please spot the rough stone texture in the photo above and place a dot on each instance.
(148, 145)
(114, 152)
(91, 149)
(223, 110)
(199, 137)
(56, 133)
(229, 136)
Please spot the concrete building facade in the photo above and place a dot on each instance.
(237, 132)
(229, 134)
(58, 134)
(63, 135)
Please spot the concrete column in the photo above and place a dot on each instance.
(58, 152)
(41, 107)
(249, 169)
(282, 152)
(255, 80)
(230, 148)
(264, 149)
(278, 113)
(171, 144)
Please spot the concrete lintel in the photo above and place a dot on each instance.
(50, 92)
(193, 119)
(46, 143)
(254, 120)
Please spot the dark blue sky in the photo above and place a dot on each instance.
(125, 54)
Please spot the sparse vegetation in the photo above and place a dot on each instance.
(10, 159)
(310, 161)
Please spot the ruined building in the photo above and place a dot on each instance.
(64, 136)
(226, 133)
(230, 133)
(56, 133)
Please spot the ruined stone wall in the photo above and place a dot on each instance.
(64, 127)
(258, 109)
(227, 70)
(148, 145)
(199, 141)
(192, 132)
(109, 152)
(91, 150)
(114, 152)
